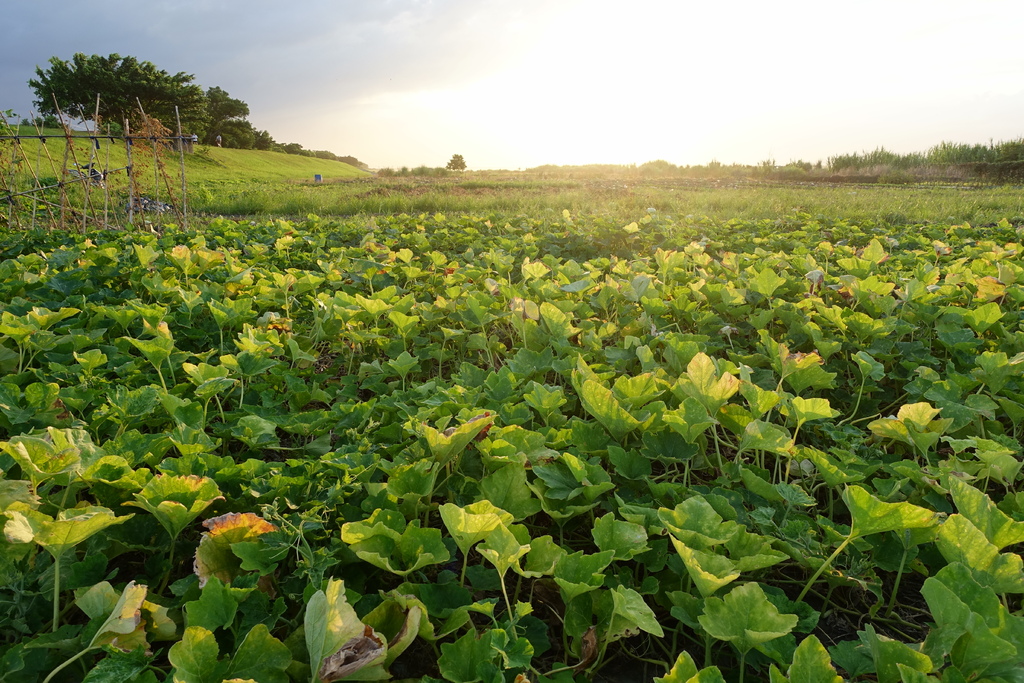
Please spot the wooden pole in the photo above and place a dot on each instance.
(131, 177)
(181, 155)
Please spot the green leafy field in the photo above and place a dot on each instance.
(495, 448)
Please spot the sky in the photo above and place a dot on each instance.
(514, 84)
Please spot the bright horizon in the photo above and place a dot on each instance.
(517, 85)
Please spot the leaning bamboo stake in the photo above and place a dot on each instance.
(154, 126)
(181, 155)
(9, 181)
(83, 179)
(156, 152)
(128, 169)
(49, 159)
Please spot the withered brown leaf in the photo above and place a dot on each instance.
(588, 650)
(355, 654)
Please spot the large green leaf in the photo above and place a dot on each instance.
(544, 555)
(451, 442)
(600, 402)
(502, 549)
(625, 539)
(804, 409)
(59, 535)
(256, 432)
(625, 615)
(752, 551)
(469, 659)
(690, 419)
(261, 657)
(577, 573)
(766, 436)
(745, 618)
(708, 571)
(384, 541)
(636, 392)
(215, 608)
(983, 317)
(697, 524)
(40, 459)
(506, 489)
(999, 529)
(156, 350)
(916, 424)
(873, 516)
(971, 624)
(766, 282)
(473, 523)
(704, 383)
(961, 541)
(194, 658)
(812, 664)
(176, 501)
(888, 654)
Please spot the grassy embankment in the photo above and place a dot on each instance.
(209, 171)
(232, 182)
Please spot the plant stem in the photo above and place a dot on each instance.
(718, 450)
(896, 584)
(860, 393)
(508, 605)
(56, 592)
(65, 664)
(826, 564)
(170, 568)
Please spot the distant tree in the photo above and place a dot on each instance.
(236, 133)
(457, 163)
(324, 154)
(48, 121)
(263, 141)
(119, 82)
(224, 112)
(352, 161)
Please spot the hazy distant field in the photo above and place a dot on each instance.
(624, 198)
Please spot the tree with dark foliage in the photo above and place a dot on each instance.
(457, 163)
(121, 83)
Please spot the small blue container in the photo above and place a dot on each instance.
(317, 178)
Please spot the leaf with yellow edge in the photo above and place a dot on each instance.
(451, 442)
(59, 535)
(214, 556)
(124, 627)
(708, 571)
(473, 523)
(176, 501)
(704, 383)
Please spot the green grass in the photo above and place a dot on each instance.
(250, 183)
(484, 193)
(212, 164)
(206, 164)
